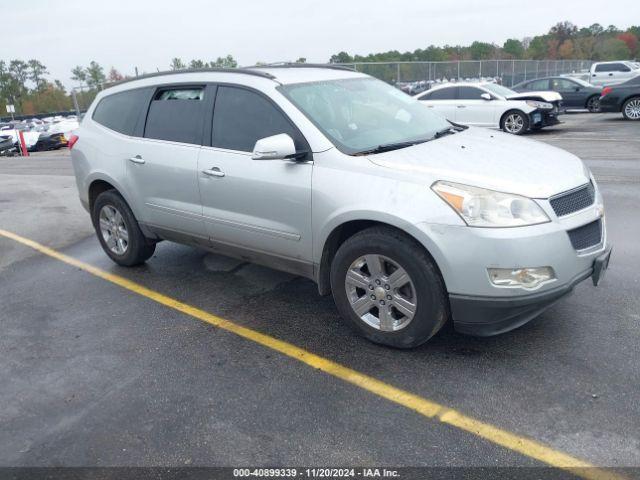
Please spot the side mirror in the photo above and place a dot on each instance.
(486, 96)
(276, 147)
(577, 89)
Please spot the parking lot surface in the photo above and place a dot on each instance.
(94, 374)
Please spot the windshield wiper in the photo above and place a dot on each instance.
(445, 131)
(391, 146)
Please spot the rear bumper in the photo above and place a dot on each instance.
(485, 316)
(608, 104)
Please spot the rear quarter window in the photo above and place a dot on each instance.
(120, 111)
(176, 115)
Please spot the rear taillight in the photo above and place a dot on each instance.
(605, 91)
(72, 140)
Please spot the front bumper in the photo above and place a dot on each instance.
(544, 118)
(485, 316)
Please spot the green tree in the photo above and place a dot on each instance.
(225, 62)
(342, 57)
(19, 71)
(537, 48)
(611, 49)
(301, 60)
(95, 75)
(198, 64)
(79, 74)
(477, 50)
(37, 71)
(177, 64)
(513, 48)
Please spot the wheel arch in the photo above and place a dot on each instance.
(341, 232)
(627, 98)
(588, 99)
(101, 182)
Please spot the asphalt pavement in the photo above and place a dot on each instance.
(94, 375)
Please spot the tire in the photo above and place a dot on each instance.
(593, 104)
(631, 109)
(421, 291)
(118, 230)
(518, 119)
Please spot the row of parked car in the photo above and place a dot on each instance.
(530, 105)
(49, 133)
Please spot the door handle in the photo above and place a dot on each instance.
(214, 172)
(462, 106)
(611, 74)
(137, 159)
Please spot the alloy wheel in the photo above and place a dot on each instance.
(381, 292)
(514, 123)
(593, 105)
(113, 229)
(632, 109)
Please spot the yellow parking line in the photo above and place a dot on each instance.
(423, 406)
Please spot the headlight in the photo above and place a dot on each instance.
(480, 207)
(542, 105)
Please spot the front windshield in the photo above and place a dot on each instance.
(499, 89)
(360, 114)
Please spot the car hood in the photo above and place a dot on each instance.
(548, 96)
(489, 159)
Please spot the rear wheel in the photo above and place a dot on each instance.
(118, 230)
(631, 109)
(515, 122)
(388, 288)
(593, 104)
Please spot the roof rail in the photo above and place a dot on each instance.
(332, 66)
(244, 71)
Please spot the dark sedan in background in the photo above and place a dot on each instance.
(49, 141)
(624, 97)
(575, 93)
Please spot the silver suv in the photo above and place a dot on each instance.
(409, 220)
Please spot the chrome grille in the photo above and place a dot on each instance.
(573, 200)
(586, 236)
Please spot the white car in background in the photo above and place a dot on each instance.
(492, 105)
(65, 126)
(612, 73)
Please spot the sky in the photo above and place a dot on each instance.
(148, 33)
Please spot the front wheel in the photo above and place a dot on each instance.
(593, 104)
(631, 109)
(515, 122)
(388, 288)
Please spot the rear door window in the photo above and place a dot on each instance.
(539, 85)
(120, 112)
(469, 93)
(176, 114)
(441, 94)
(242, 117)
(562, 85)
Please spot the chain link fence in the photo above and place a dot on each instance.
(509, 72)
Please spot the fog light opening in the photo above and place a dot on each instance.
(528, 277)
